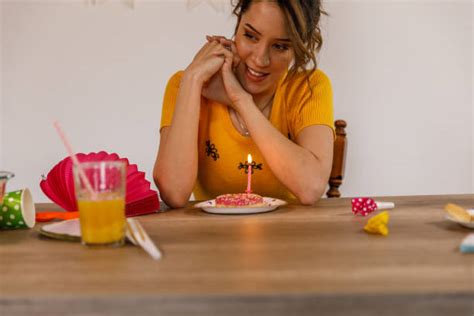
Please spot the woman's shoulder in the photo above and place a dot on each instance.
(303, 82)
(319, 77)
(314, 78)
(176, 77)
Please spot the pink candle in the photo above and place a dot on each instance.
(249, 174)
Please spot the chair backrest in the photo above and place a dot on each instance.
(338, 160)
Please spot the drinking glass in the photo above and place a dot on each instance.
(102, 204)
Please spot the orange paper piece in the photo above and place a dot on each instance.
(378, 224)
(48, 216)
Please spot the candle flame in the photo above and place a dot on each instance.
(249, 158)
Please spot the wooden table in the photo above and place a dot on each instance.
(296, 260)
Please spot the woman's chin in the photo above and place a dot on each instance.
(253, 89)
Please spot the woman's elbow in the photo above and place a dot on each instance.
(308, 199)
(311, 195)
(173, 198)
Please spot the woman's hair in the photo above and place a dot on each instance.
(303, 18)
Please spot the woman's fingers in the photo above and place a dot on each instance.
(209, 60)
(236, 59)
(233, 88)
(227, 73)
(226, 51)
(223, 51)
(215, 38)
(215, 54)
(222, 40)
(205, 49)
(228, 44)
(228, 61)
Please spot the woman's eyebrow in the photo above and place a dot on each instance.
(256, 31)
(252, 28)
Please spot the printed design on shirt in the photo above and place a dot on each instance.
(211, 150)
(253, 166)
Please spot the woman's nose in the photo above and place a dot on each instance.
(261, 56)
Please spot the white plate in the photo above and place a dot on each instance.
(69, 230)
(463, 223)
(65, 230)
(270, 204)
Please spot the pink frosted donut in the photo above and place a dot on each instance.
(239, 199)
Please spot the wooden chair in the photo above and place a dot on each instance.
(338, 160)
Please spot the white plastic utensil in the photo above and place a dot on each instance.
(140, 237)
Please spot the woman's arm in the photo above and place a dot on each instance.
(303, 166)
(175, 169)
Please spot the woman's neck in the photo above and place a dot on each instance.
(263, 101)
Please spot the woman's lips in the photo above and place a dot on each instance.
(254, 75)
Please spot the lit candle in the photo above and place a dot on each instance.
(249, 174)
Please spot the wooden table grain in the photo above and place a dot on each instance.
(297, 260)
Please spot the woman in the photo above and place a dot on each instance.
(250, 95)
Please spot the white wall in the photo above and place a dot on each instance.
(401, 74)
(1, 88)
(100, 70)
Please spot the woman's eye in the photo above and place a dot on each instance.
(250, 36)
(281, 47)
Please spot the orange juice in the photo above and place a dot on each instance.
(102, 221)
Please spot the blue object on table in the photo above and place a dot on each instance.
(467, 244)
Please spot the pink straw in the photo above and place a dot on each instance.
(74, 159)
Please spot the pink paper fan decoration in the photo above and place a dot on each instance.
(59, 185)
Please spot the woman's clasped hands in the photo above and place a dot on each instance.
(214, 65)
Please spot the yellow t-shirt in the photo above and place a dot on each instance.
(222, 150)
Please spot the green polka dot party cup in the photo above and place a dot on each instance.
(17, 210)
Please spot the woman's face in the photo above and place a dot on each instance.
(264, 48)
